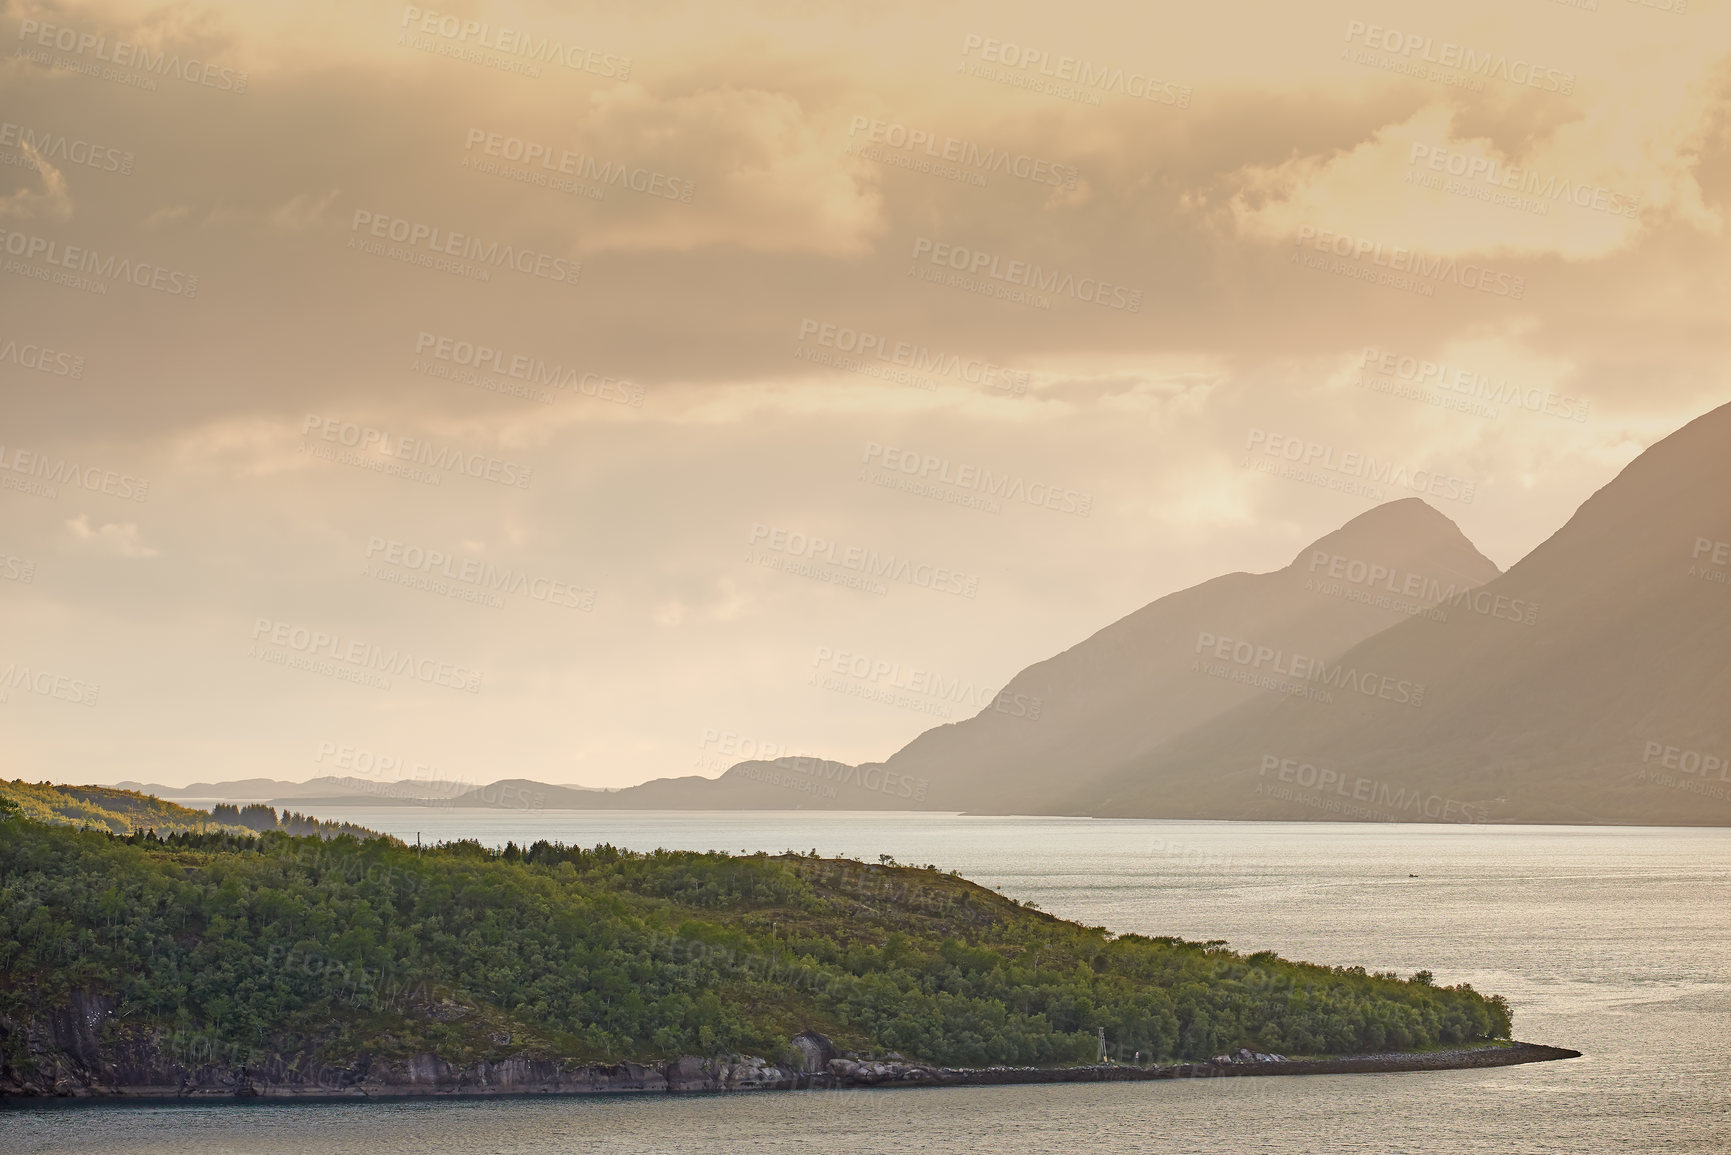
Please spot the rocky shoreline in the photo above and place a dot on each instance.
(141, 1077)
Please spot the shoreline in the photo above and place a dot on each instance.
(428, 1077)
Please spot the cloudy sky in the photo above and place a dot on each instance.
(498, 390)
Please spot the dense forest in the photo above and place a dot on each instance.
(260, 818)
(269, 944)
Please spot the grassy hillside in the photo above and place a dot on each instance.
(355, 951)
(119, 811)
(127, 811)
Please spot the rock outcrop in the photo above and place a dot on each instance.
(67, 1056)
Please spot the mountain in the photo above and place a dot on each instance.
(794, 783)
(1390, 672)
(242, 790)
(1152, 675)
(379, 791)
(1125, 690)
(1060, 723)
(1590, 683)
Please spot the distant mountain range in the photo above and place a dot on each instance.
(1389, 673)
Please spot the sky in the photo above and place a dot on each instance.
(554, 391)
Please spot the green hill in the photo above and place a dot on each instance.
(127, 811)
(119, 811)
(350, 953)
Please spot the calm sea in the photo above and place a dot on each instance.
(1616, 942)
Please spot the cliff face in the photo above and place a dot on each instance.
(81, 1051)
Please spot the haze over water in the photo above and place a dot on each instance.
(1613, 941)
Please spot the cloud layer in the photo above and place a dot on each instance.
(437, 381)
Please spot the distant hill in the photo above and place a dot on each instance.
(332, 789)
(1605, 698)
(244, 790)
(799, 782)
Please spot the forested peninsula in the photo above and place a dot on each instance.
(227, 963)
